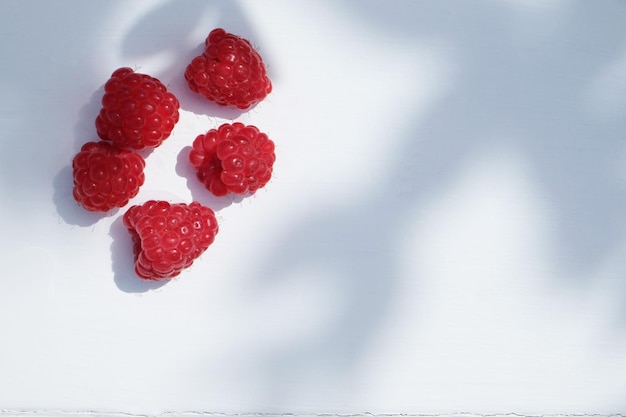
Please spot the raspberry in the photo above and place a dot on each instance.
(229, 72)
(137, 110)
(105, 176)
(167, 238)
(233, 158)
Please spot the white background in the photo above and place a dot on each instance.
(445, 230)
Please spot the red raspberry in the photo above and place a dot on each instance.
(105, 176)
(167, 238)
(233, 158)
(229, 72)
(137, 110)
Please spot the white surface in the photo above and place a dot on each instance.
(445, 230)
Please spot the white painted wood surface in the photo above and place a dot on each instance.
(445, 231)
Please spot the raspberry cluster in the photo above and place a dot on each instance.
(233, 158)
(139, 112)
(167, 238)
(106, 177)
(229, 71)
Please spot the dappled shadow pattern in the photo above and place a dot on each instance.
(519, 88)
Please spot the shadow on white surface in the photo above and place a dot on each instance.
(526, 71)
(519, 89)
(63, 183)
(85, 127)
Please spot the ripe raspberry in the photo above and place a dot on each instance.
(167, 238)
(105, 176)
(233, 158)
(229, 72)
(137, 110)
